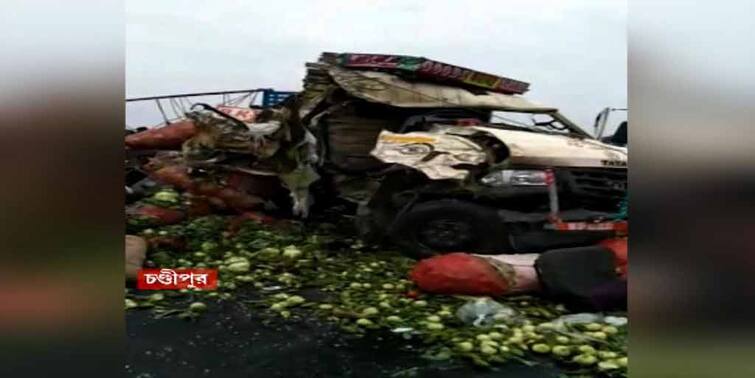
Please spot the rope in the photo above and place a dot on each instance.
(176, 106)
(188, 104)
(162, 111)
(252, 98)
(236, 101)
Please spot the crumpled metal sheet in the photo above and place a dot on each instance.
(392, 90)
(557, 150)
(274, 144)
(435, 154)
(217, 135)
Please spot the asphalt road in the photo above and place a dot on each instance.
(230, 340)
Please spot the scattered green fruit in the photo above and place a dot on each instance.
(295, 300)
(610, 330)
(593, 326)
(465, 346)
(291, 252)
(364, 322)
(435, 326)
(607, 365)
(369, 291)
(487, 349)
(599, 335)
(495, 336)
(585, 359)
(197, 307)
(561, 350)
(483, 337)
(622, 361)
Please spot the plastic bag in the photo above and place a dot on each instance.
(581, 318)
(616, 321)
(484, 312)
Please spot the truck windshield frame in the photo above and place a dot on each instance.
(525, 120)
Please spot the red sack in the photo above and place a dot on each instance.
(169, 137)
(459, 273)
(198, 207)
(226, 197)
(173, 175)
(260, 186)
(160, 214)
(620, 250)
(239, 201)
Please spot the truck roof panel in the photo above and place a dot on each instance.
(427, 69)
(386, 88)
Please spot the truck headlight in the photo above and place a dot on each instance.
(512, 177)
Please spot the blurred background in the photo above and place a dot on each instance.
(692, 184)
(64, 79)
(572, 52)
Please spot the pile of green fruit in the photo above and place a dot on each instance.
(298, 270)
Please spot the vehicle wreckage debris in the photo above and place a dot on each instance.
(411, 145)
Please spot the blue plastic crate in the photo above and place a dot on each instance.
(272, 98)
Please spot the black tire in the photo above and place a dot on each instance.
(444, 226)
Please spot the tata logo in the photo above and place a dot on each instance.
(614, 163)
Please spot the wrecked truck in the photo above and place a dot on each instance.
(433, 157)
(439, 160)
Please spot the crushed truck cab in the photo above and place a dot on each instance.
(434, 166)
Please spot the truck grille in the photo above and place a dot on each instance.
(596, 188)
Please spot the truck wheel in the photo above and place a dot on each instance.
(445, 226)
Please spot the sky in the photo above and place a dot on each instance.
(572, 52)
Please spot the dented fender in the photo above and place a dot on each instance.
(435, 154)
(438, 152)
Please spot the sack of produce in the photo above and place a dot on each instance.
(173, 175)
(168, 137)
(159, 215)
(620, 250)
(136, 251)
(462, 273)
